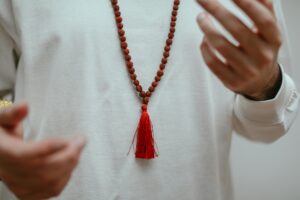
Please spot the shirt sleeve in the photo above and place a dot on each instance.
(7, 52)
(266, 121)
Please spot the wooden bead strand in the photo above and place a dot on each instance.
(145, 95)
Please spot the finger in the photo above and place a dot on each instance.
(35, 158)
(247, 38)
(31, 150)
(263, 19)
(42, 186)
(11, 116)
(69, 156)
(220, 69)
(35, 179)
(239, 62)
(33, 173)
(52, 190)
(15, 150)
(269, 5)
(63, 162)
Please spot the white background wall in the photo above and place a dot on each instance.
(272, 172)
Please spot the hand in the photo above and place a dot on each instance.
(250, 68)
(34, 170)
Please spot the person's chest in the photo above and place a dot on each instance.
(75, 44)
(57, 34)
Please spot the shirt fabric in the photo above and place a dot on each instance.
(64, 59)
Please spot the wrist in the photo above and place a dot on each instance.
(271, 89)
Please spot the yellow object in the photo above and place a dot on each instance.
(4, 103)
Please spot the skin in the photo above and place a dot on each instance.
(34, 170)
(250, 68)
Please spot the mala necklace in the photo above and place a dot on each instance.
(145, 144)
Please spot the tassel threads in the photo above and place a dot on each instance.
(145, 144)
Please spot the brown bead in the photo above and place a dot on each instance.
(157, 78)
(148, 94)
(167, 48)
(174, 13)
(169, 42)
(173, 18)
(120, 26)
(139, 88)
(124, 45)
(142, 94)
(177, 2)
(129, 65)
(154, 83)
(114, 2)
(146, 100)
(171, 35)
(151, 89)
(166, 54)
(131, 70)
(119, 19)
(121, 32)
(172, 29)
(122, 38)
(118, 14)
(127, 58)
(164, 61)
(136, 82)
(173, 24)
(126, 51)
(116, 8)
(160, 73)
(175, 7)
(133, 77)
(162, 66)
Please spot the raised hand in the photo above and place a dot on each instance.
(34, 170)
(250, 68)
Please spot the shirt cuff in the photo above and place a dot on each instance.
(270, 111)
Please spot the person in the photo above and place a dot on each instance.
(63, 58)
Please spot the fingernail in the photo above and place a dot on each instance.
(79, 141)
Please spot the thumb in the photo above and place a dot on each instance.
(11, 116)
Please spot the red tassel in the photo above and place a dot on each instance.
(145, 145)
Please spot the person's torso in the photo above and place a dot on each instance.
(73, 75)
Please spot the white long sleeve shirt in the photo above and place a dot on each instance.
(64, 59)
